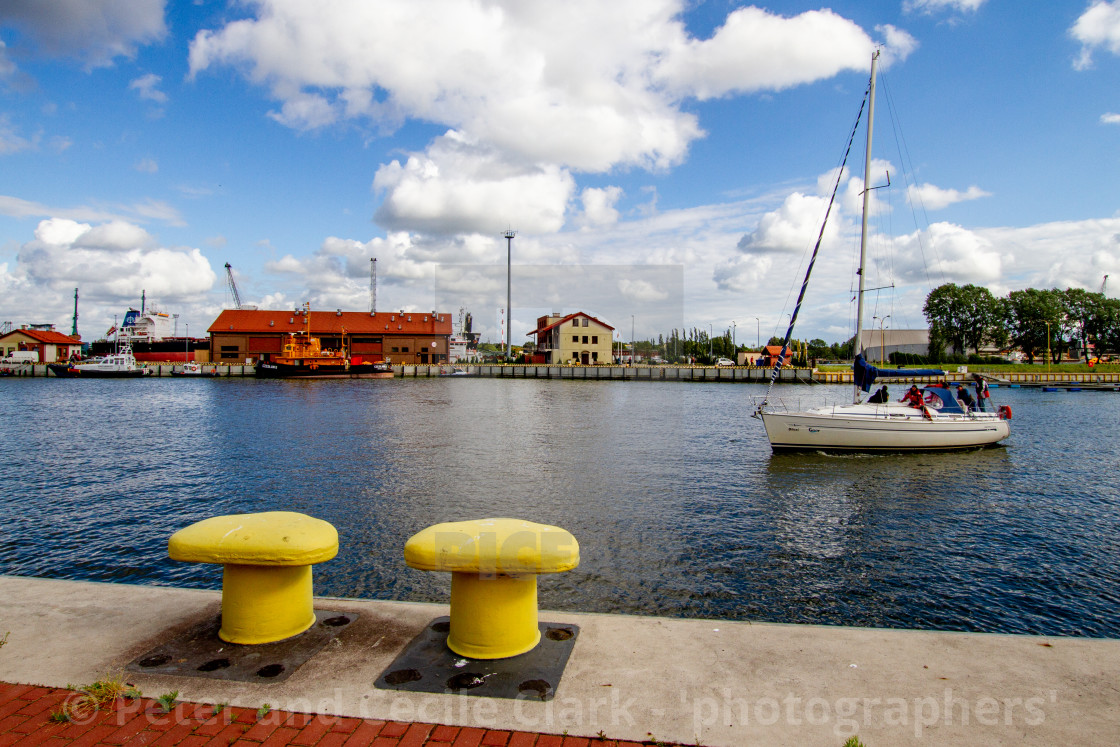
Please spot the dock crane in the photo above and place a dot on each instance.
(1103, 284)
(233, 287)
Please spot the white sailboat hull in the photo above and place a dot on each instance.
(890, 427)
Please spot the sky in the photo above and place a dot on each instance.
(664, 163)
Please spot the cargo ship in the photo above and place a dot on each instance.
(303, 357)
(149, 334)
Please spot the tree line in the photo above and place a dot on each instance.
(967, 317)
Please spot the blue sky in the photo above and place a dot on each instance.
(663, 162)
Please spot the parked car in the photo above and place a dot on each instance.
(725, 362)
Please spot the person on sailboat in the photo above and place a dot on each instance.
(912, 397)
(982, 392)
(965, 398)
(879, 397)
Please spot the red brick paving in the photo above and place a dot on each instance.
(26, 710)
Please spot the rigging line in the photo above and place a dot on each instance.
(813, 258)
(913, 196)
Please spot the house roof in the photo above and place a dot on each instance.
(49, 337)
(332, 322)
(541, 330)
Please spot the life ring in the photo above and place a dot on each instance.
(1005, 412)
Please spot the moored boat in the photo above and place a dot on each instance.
(303, 357)
(120, 365)
(193, 369)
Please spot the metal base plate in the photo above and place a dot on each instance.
(199, 652)
(427, 665)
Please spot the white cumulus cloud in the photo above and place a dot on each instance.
(529, 92)
(599, 206)
(110, 263)
(461, 187)
(933, 197)
(1098, 26)
(932, 6)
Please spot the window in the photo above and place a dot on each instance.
(594, 339)
(226, 355)
(366, 340)
(575, 322)
(404, 349)
(594, 356)
(575, 338)
(423, 350)
(396, 350)
(585, 321)
(585, 339)
(227, 348)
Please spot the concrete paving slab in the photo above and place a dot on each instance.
(716, 683)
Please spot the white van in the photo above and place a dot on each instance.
(21, 356)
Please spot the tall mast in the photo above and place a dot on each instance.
(863, 232)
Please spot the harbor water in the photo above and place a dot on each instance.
(679, 505)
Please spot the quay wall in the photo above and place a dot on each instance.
(731, 374)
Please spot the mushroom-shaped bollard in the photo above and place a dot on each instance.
(266, 579)
(494, 565)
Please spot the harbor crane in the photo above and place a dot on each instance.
(233, 287)
(1103, 284)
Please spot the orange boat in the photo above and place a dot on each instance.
(303, 358)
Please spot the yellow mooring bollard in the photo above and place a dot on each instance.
(494, 565)
(266, 578)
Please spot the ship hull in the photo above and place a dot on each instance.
(856, 429)
(64, 371)
(272, 370)
(167, 350)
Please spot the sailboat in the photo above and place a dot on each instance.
(932, 420)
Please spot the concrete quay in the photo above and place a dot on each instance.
(730, 374)
(640, 679)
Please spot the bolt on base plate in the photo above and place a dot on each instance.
(199, 652)
(427, 665)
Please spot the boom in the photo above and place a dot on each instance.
(233, 287)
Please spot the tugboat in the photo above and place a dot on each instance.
(304, 358)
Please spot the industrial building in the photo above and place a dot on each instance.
(249, 335)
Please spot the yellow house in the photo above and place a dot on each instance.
(575, 338)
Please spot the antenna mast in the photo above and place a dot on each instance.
(233, 287)
(74, 329)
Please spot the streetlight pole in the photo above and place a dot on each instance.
(1047, 348)
(734, 347)
(711, 332)
(631, 341)
(882, 334)
(757, 334)
(509, 234)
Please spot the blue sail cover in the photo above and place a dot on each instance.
(866, 374)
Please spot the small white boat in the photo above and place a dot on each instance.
(119, 365)
(937, 422)
(193, 369)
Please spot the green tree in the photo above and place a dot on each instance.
(1029, 312)
(960, 316)
(1082, 316)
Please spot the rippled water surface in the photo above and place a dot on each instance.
(671, 489)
